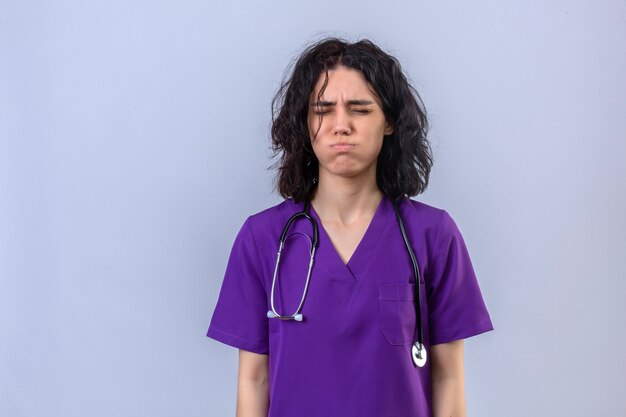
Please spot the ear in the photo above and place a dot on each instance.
(388, 129)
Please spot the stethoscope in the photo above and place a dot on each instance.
(418, 350)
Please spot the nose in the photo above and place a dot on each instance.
(342, 123)
(343, 129)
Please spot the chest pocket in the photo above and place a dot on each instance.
(397, 312)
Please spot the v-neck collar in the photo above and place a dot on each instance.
(364, 252)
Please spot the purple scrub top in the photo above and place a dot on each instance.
(351, 354)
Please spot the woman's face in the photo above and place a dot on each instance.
(353, 124)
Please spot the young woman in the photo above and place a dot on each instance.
(364, 309)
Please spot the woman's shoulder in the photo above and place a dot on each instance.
(278, 214)
(436, 223)
(421, 212)
(281, 208)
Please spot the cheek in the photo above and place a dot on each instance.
(318, 150)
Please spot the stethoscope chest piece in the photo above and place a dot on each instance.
(418, 353)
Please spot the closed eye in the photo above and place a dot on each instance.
(361, 111)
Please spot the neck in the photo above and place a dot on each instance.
(346, 199)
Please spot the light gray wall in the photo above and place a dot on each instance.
(134, 142)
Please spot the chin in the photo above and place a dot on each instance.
(347, 168)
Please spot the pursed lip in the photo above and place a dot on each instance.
(342, 147)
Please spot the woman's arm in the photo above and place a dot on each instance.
(447, 379)
(252, 385)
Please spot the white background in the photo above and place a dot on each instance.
(134, 141)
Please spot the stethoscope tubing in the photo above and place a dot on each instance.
(416, 274)
(418, 350)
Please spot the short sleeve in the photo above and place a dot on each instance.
(455, 303)
(240, 315)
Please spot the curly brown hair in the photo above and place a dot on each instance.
(405, 160)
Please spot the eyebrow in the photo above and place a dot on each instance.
(353, 102)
